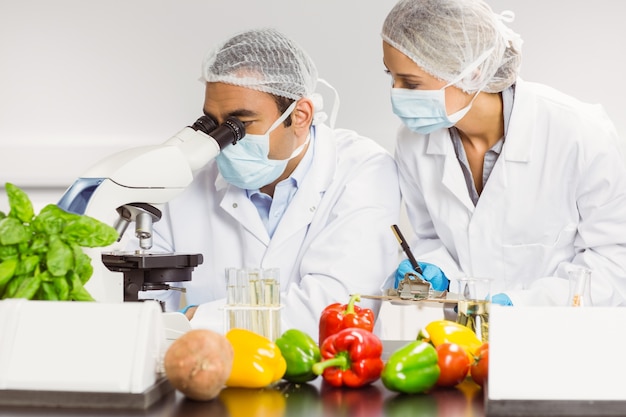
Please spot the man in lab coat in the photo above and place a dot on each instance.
(294, 194)
(503, 178)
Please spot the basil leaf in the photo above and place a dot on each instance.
(7, 270)
(27, 265)
(82, 263)
(21, 206)
(62, 287)
(59, 258)
(12, 231)
(28, 288)
(89, 232)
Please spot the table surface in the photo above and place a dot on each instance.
(292, 400)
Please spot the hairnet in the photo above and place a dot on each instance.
(452, 39)
(264, 60)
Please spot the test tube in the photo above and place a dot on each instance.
(271, 287)
(243, 289)
(231, 296)
(255, 293)
(580, 287)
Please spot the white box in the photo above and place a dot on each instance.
(80, 346)
(557, 353)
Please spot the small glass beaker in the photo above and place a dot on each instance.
(473, 305)
(253, 301)
(579, 287)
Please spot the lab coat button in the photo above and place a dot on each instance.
(312, 209)
(234, 205)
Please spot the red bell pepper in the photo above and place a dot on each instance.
(339, 316)
(352, 358)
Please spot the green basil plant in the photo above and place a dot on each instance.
(41, 256)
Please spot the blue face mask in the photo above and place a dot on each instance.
(424, 111)
(246, 164)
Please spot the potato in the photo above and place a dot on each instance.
(198, 363)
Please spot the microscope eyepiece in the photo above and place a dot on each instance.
(205, 124)
(231, 131)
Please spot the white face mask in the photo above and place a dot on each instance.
(247, 165)
(424, 111)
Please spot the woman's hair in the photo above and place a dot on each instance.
(459, 41)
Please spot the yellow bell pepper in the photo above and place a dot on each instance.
(257, 362)
(446, 331)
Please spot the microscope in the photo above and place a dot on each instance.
(129, 187)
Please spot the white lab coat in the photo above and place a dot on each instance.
(556, 197)
(333, 240)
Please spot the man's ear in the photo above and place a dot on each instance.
(302, 115)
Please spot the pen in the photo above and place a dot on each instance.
(406, 249)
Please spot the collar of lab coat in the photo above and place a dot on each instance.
(518, 142)
(522, 126)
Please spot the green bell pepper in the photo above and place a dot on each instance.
(412, 368)
(301, 352)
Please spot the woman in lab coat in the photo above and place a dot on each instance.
(502, 178)
(319, 208)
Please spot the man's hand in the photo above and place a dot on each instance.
(189, 311)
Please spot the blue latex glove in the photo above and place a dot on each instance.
(430, 273)
(184, 309)
(501, 299)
